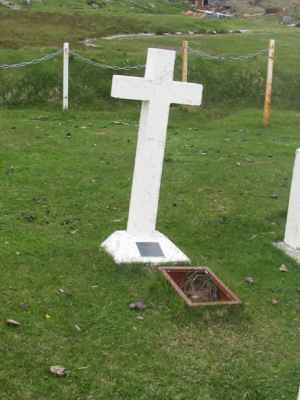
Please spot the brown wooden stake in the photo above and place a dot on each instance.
(184, 56)
(268, 95)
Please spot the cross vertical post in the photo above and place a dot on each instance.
(150, 149)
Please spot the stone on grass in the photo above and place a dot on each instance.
(283, 268)
(249, 280)
(139, 306)
(58, 370)
(12, 322)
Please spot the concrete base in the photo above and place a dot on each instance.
(290, 251)
(123, 248)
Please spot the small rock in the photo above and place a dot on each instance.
(12, 322)
(283, 268)
(140, 317)
(139, 306)
(249, 280)
(58, 370)
(24, 306)
(275, 301)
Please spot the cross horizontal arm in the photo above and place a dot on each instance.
(131, 88)
(185, 93)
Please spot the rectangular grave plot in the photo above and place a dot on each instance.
(199, 286)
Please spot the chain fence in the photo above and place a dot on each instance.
(77, 56)
(89, 86)
(34, 61)
(105, 66)
(194, 52)
(227, 57)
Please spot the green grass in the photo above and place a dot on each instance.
(65, 184)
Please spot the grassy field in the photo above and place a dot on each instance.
(65, 184)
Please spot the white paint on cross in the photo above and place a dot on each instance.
(292, 229)
(157, 91)
(291, 242)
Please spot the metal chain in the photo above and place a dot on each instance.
(105, 66)
(199, 53)
(32, 62)
(223, 57)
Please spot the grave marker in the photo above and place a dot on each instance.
(291, 243)
(141, 242)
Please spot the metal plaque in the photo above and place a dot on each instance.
(150, 249)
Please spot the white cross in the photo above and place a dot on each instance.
(292, 230)
(157, 90)
(291, 242)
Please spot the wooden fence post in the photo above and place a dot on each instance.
(66, 77)
(184, 58)
(268, 95)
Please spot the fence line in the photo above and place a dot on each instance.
(196, 52)
(224, 57)
(185, 51)
(35, 61)
(105, 66)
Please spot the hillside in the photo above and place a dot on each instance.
(103, 6)
(146, 6)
